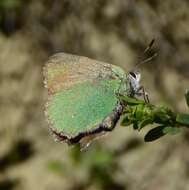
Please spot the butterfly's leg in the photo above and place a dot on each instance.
(145, 95)
(142, 92)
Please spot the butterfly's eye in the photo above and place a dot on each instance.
(132, 74)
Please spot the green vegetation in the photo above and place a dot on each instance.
(139, 114)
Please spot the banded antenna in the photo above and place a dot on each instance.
(148, 48)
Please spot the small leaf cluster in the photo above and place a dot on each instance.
(140, 114)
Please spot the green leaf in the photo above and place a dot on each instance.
(145, 122)
(154, 134)
(187, 97)
(171, 130)
(126, 121)
(183, 119)
(130, 101)
(139, 112)
(162, 114)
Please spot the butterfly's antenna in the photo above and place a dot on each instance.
(149, 46)
(147, 60)
(145, 51)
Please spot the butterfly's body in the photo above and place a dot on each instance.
(82, 96)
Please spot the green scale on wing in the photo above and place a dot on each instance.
(83, 106)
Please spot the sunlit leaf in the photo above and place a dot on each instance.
(139, 112)
(171, 130)
(131, 101)
(183, 119)
(154, 134)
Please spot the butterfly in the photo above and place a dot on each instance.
(82, 96)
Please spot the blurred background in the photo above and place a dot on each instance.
(114, 31)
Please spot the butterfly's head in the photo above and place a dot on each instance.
(134, 81)
(134, 76)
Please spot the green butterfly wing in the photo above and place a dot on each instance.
(81, 93)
